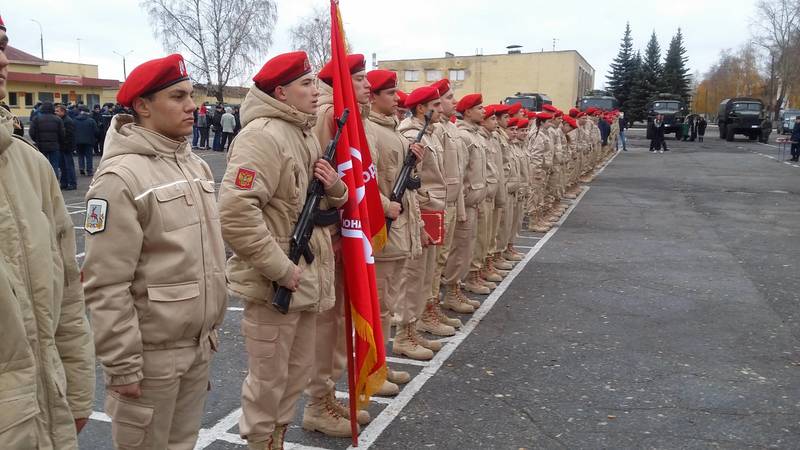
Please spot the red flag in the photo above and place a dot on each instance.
(363, 227)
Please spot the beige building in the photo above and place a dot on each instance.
(561, 75)
(32, 80)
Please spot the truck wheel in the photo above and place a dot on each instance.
(752, 137)
(729, 132)
(722, 131)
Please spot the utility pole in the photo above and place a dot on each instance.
(41, 36)
(124, 68)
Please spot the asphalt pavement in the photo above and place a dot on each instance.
(663, 312)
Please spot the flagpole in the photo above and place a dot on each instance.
(351, 374)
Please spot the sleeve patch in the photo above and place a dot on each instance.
(245, 178)
(96, 215)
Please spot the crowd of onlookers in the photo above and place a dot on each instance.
(62, 132)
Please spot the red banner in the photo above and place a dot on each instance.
(363, 227)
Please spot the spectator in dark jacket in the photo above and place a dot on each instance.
(605, 130)
(69, 181)
(796, 139)
(216, 126)
(701, 128)
(86, 131)
(97, 116)
(202, 126)
(47, 131)
(623, 124)
(106, 114)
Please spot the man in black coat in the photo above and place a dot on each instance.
(47, 131)
(69, 181)
(796, 140)
(86, 131)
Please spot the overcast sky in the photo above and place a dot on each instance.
(416, 29)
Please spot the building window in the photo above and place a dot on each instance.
(12, 99)
(433, 75)
(29, 99)
(92, 99)
(456, 74)
(46, 97)
(412, 75)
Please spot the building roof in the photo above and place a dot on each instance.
(389, 61)
(49, 78)
(17, 56)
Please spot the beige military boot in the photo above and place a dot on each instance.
(468, 301)
(277, 438)
(388, 389)
(489, 284)
(430, 323)
(431, 344)
(323, 415)
(452, 301)
(474, 285)
(500, 263)
(405, 344)
(492, 270)
(398, 376)
(511, 254)
(444, 318)
(488, 272)
(362, 418)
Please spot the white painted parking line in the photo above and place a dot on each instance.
(374, 398)
(100, 416)
(77, 212)
(209, 435)
(522, 246)
(410, 362)
(80, 255)
(371, 433)
(235, 308)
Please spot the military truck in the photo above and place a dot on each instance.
(786, 123)
(741, 115)
(598, 99)
(530, 101)
(673, 110)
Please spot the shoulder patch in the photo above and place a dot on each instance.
(96, 215)
(245, 178)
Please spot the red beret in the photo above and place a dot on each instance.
(2, 25)
(501, 109)
(590, 110)
(442, 86)
(381, 79)
(421, 95)
(573, 112)
(531, 114)
(548, 107)
(401, 98)
(488, 111)
(559, 113)
(152, 76)
(571, 121)
(469, 101)
(514, 108)
(581, 114)
(522, 123)
(355, 62)
(512, 122)
(282, 70)
(544, 115)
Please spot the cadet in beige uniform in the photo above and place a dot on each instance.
(323, 412)
(46, 355)
(433, 320)
(403, 247)
(432, 196)
(271, 163)
(541, 155)
(460, 261)
(505, 133)
(154, 269)
(486, 210)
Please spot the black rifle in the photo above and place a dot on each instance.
(405, 180)
(310, 217)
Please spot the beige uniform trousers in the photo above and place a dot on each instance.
(553, 184)
(280, 353)
(168, 413)
(419, 279)
(391, 283)
(505, 222)
(330, 361)
(538, 191)
(460, 260)
(484, 234)
(516, 220)
(444, 250)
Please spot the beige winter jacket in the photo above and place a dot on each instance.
(276, 145)
(475, 186)
(389, 150)
(494, 168)
(510, 168)
(542, 151)
(46, 356)
(154, 274)
(432, 195)
(454, 154)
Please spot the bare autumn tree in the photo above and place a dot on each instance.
(312, 34)
(218, 39)
(776, 29)
(735, 74)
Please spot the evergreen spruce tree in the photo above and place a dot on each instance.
(635, 107)
(651, 72)
(676, 79)
(620, 78)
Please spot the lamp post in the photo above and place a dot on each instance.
(124, 68)
(41, 36)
